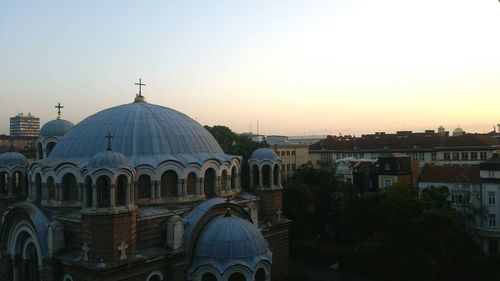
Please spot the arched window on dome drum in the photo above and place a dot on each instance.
(51, 188)
(121, 190)
(144, 187)
(88, 191)
(191, 184)
(209, 182)
(40, 151)
(50, 146)
(103, 192)
(237, 276)
(255, 175)
(260, 275)
(69, 187)
(18, 182)
(169, 184)
(276, 174)
(208, 277)
(38, 187)
(4, 183)
(234, 177)
(266, 175)
(223, 181)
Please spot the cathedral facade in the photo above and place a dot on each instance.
(139, 192)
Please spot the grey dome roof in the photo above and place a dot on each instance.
(264, 154)
(57, 128)
(145, 133)
(13, 159)
(229, 240)
(108, 159)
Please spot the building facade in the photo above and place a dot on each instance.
(137, 192)
(24, 125)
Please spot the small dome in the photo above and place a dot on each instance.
(108, 159)
(264, 154)
(458, 132)
(13, 159)
(55, 128)
(229, 240)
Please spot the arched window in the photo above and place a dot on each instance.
(191, 184)
(38, 187)
(237, 276)
(223, 181)
(208, 277)
(30, 261)
(50, 146)
(155, 276)
(4, 183)
(69, 187)
(40, 151)
(103, 192)
(144, 186)
(260, 275)
(234, 177)
(121, 190)
(255, 175)
(51, 188)
(88, 191)
(276, 174)
(266, 175)
(169, 184)
(18, 182)
(209, 184)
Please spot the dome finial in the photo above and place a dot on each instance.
(139, 97)
(109, 137)
(59, 106)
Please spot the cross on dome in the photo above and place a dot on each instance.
(140, 84)
(109, 137)
(59, 106)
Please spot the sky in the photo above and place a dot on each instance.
(298, 67)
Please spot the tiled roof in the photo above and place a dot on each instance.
(404, 141)
(432, 173)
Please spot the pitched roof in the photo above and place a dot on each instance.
(404, 141)
(432, 173)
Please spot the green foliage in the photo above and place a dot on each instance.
(234, 144)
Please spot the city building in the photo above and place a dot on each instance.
(24, 144)
(427, 147)
(473, 192)
(139, 192)
(24, 125)
(292, 154)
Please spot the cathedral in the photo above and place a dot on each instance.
(139, 192)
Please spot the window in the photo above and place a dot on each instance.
(387, 183)
(433, 156)
(473, 155)
(293, 152)
(282, 153)
(294, 167)
(361, 155)
(491, 174)
(288, 167)
(454, 156)
(421, 156)
(492, 220)
(482, 155)
(446, 156)
(288, 153)
(339, 156)
(460, 198)
(387, 167)
(465, 155)
(491, 197)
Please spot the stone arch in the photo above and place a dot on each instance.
(223, 181)
(87, 186)
(51, 188)
(208, 276)
(69, 187)
(207, 273)
(262, 272)
(144, 186)
(168, 184)
(23, 243)
(238, 273)
(155, 276)
(67, 277)
(103, 188)
(191, 183)
(234, 177)
(209, 183)
(237, 276)
(49, 147)
(266, 175)
(122, 190)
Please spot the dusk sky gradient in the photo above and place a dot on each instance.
(299, 67)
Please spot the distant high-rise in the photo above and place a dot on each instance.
(24, 125)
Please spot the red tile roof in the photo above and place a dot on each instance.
(432, 173)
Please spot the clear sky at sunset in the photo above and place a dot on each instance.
(298, 67)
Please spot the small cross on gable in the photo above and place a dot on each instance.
(123, 250)
(278, 215)
(85, 249)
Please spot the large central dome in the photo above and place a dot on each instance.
(141, 131)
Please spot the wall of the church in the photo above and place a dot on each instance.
(278, 238)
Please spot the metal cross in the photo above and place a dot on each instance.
(140, 84)
(85, 249)
(109, 137)
(59, 106)
(122, 248)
